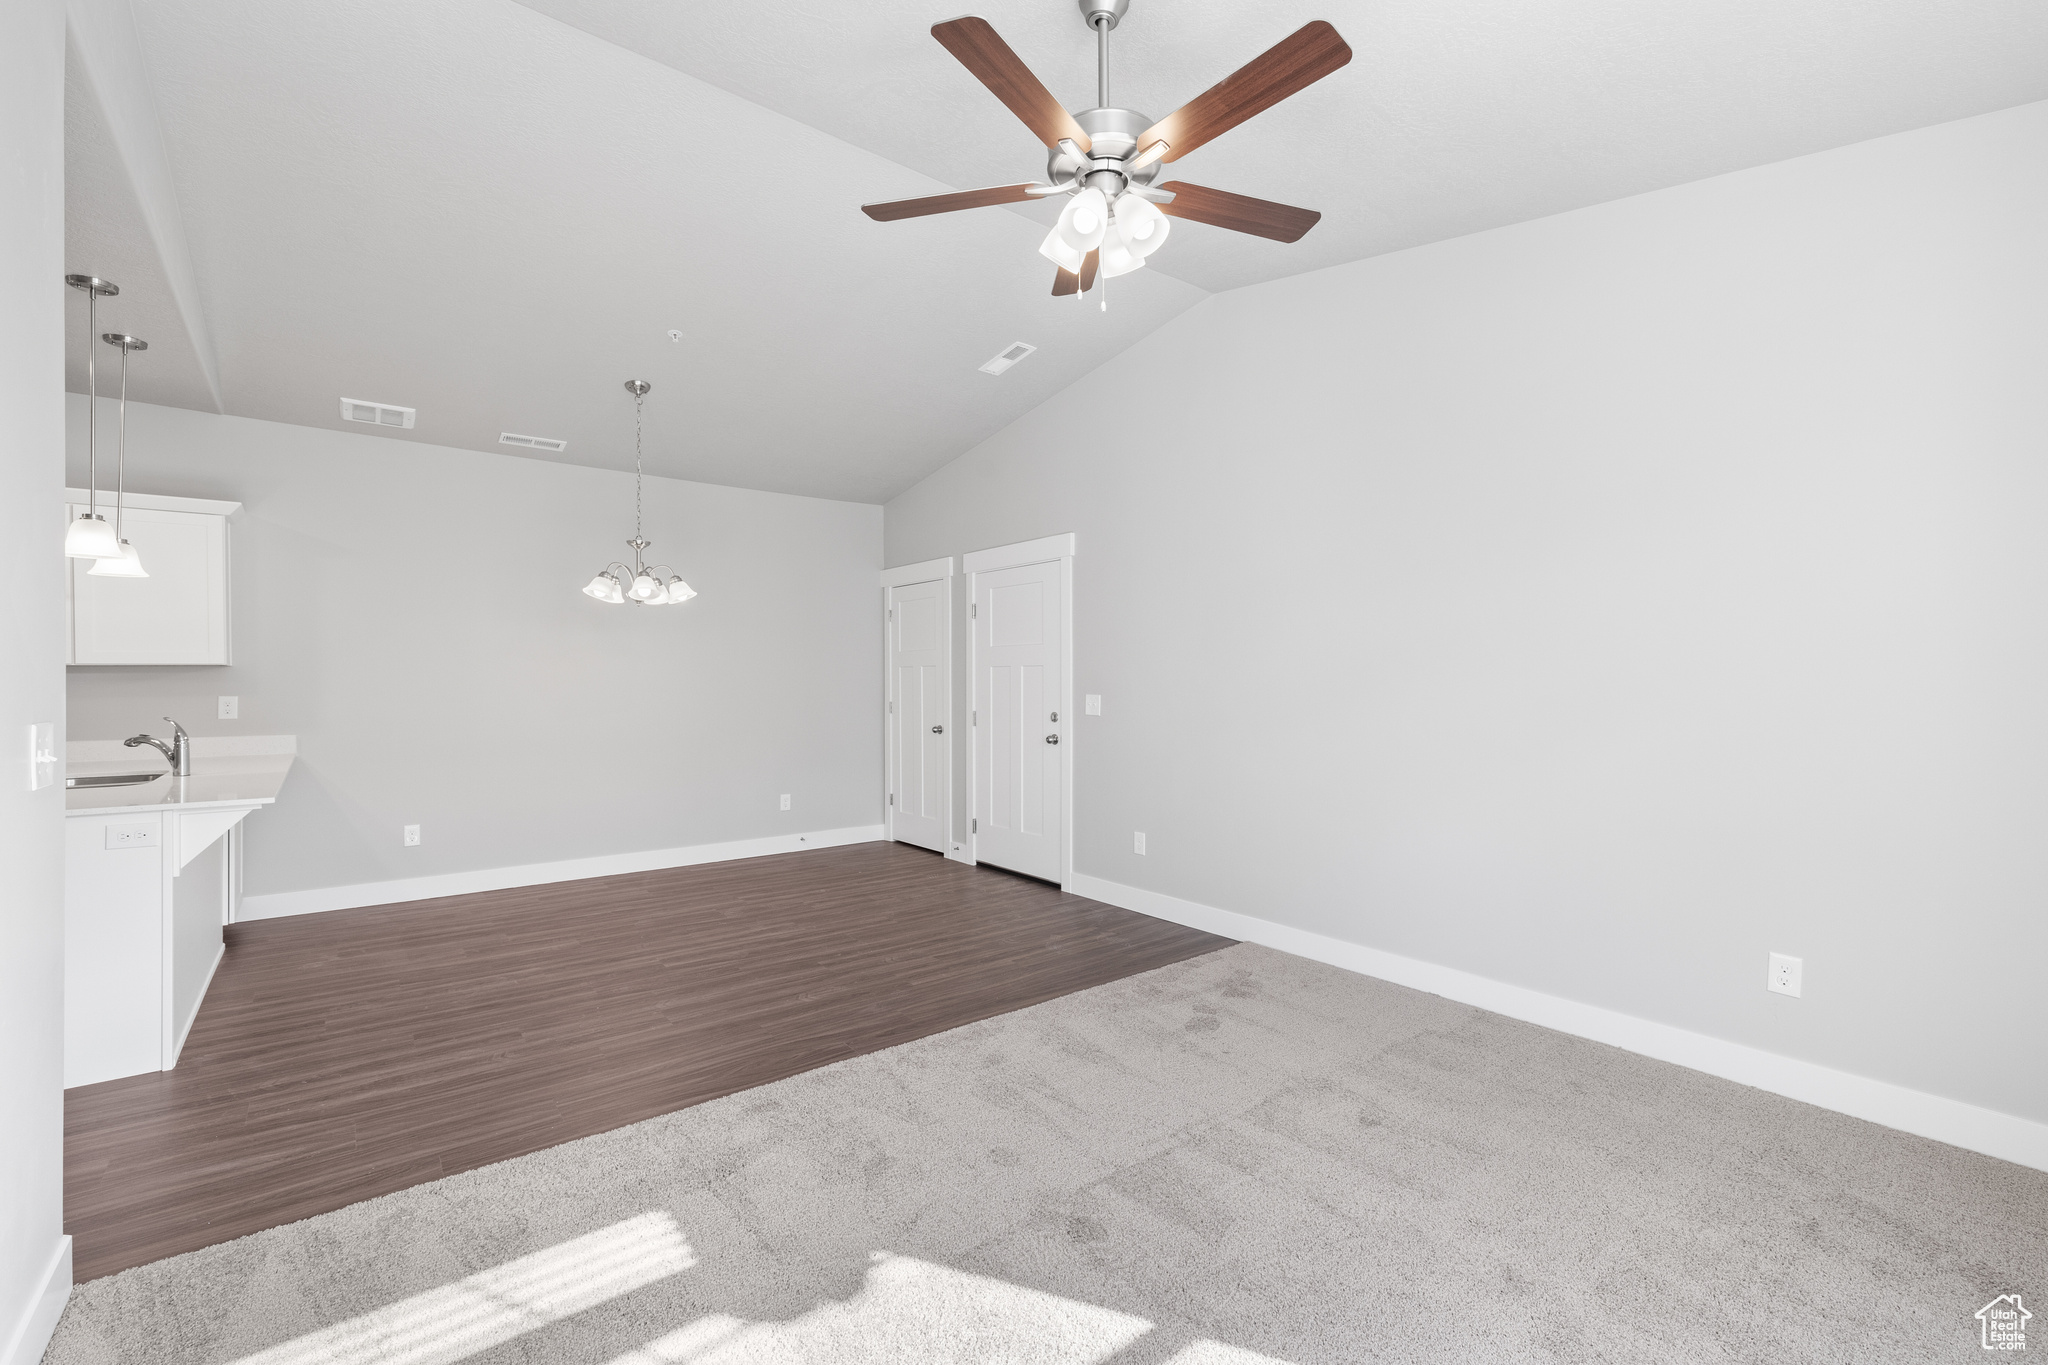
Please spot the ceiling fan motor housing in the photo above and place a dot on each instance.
(1105, 12)
(1114, 135)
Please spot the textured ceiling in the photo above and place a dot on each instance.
(467, 207)
(493, 211)
(1451, 117)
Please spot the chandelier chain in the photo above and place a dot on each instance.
(638, 400)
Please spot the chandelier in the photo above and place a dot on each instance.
(640, 583)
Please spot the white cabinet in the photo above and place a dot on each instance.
(177, 615)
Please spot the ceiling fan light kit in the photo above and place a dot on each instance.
(1106, 159)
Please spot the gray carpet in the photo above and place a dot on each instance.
(1243, 1158)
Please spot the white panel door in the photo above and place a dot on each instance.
(919, 712)
(1018, 730)
(177, 615)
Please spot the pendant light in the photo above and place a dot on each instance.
(90, 537)
(127, 564)
(639, 583)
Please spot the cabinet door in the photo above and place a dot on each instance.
(177, 615)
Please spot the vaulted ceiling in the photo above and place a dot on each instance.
(496, 212)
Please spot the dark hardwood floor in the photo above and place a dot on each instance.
(345, 1055)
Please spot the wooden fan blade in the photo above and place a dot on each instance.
(1067, 282)
(946, 203)
(1289, 66)
(982, 51)
(1238, 212)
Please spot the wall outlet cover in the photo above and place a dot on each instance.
(1137, 843)
(132, 836)
(785, 800)
(1092, 704)
(1785, 974)
(230, 708)
(412, 835)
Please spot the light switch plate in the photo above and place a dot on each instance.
(42, 755)
(1137, 843)
(131, 836)
(1092, 704)
(1785, 974)
(230, 708)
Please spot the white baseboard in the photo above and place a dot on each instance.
(38, 1322)
(280, 903)
(2006, 1136)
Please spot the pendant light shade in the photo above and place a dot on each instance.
(639, 583)
(91, 537)
(126, 564)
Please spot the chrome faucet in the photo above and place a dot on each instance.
(178, 751)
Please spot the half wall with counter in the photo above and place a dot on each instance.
(152, 873)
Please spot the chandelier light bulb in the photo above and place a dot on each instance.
(91, 537)
(644, 587)
(126, 564)
(601, 587)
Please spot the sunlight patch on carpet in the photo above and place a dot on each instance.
(913, 1310)
(493, 1306)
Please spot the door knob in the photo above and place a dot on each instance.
(1052, 739)
(938, 729)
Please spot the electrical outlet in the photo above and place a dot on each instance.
(412, 835)
(1785, 974)
(230, 708)
(131, 836)
(42, 755)
(785, 800)
(1137, 843)
(1092, 704)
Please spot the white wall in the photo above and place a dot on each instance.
(414, 615)
(35, 1267)
(1598, 604)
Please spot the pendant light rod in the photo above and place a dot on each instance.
(639, 389)
(95, 289)
(127, 344)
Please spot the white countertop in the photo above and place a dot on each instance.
(226, 773)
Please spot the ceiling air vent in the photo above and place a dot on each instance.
(376, 414)
(1008, 358)
(513, 438)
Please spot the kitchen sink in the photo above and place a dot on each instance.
(113, 780)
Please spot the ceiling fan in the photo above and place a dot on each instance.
(1105, 159)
